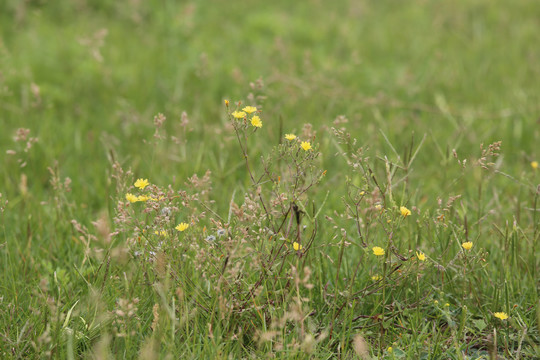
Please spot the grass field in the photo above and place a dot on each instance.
(401, 221)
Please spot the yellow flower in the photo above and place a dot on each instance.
(256, 121)
(447, 304)
(161, 233)
(305, 145)
(534, 164)
(290, 137)
(404, 211)
(376, 277)
(296, 246)
(467, 245)
(421, 256)
(239, 114)
(379, 251)
(143, 198)
(436, 302)
(141, 183)
(182, 226)
(249, 109)
(390, 349)
(501, 315)
(227, 103)
(131, 198)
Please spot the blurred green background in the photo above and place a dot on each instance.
(463, 72)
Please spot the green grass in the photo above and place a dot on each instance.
(416, 81)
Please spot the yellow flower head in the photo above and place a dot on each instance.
(447, 305)
(290, 137)
(296, 246)
(404, 211)
(143, 198)
(182, 226)
(534, 164)
(256, 121)
(161, 233)
(249, 109)
(131, 198)
(378, 251)
(467, 245)
(421, 256)
(376, 277)
(227, 103)
(501, 315)
(305, 145)
(390, 349)
(141, 183)
(238, 114)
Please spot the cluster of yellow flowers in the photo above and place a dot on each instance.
(141, 184)
(247, 110)
(257, 122)
(305, 145)
(379, 251)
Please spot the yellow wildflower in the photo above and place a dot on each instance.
(404, 211)
(436, 302)
(238, 114)
(390, 349)
(501, 315)
(249, 109)
(378, 251)
(182, 226)
(376, 277)
(290, 137)
(256, 121)
(143, 198)
(447, 305)
(131, 198)
(305, 145)
(161, 233)
(421, 256)
(227, 103)
(141, 183)
(534, 164)
(296, 246)
(467, 245)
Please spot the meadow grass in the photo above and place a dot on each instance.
(404, 231)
